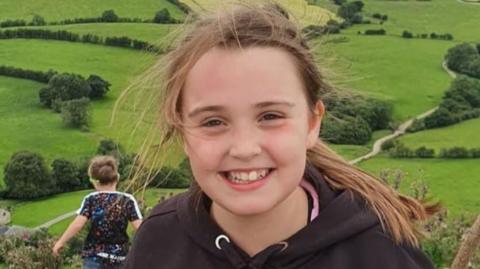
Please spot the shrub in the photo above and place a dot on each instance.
(65, 174)
(99, 87)
(375, 32)
(424, 152)
(407, 34)
(163, 16)
(109, 16)
(454, 153)
(27, 176)
(75, 113)
(37, 20)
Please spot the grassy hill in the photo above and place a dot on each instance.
(67, 9)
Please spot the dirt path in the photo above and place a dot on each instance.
(377, 146)
(56, 220)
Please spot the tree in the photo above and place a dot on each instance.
(109, 16)
(45, 95)
(407, 34)
(459, 57)
(27, 176)
(68, 87)
(75, 113)
(441, 117)
(38, 20)
(163, 16)
(99, 87)
(65, 174)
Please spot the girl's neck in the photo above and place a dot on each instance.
(109, 187)
(255, 233)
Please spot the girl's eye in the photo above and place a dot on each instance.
(271, 116)
(212, 123)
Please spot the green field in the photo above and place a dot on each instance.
(26, 125)
(464, 134)
(69, 9)
(34, 213)
(407, 73)
(150, 32)
(453, 182)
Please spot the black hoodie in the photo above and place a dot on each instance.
(346, 234)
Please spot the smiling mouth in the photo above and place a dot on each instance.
(241, 177)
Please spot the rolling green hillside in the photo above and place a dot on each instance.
(68, 9)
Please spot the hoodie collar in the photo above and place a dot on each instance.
(342, 215)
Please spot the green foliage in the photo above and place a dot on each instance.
(313, 31)
(348, 130)
(27, 176)
(424, 152)
(63, 35)
(39, 76)
(67, 86)
(109, 16)
(350, 11)
(163, 16)
(66, 175)
(375, 32)
(37, 20)
(441, 117)
(407, 34)
(464, 58)
(75, 113)
(455, 153)
(99, 87)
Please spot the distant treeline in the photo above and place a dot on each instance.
(397, 149)
(408, 34)
(121, 41)
(27, 175)
(352, 119)
(108, 16)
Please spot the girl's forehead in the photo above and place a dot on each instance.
(231, 73)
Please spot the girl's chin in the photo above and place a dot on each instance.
(245, 208)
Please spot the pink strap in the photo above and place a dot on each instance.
(311, 191)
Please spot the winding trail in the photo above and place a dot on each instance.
(377, 146)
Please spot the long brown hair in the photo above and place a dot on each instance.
(268, 25)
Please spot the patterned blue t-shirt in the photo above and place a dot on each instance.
(109, 213)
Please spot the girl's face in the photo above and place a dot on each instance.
(248, 127)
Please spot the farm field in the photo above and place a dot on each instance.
(58, 10)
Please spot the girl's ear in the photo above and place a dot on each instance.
(314, 124)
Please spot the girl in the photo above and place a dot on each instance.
(244, 95)
(109, 211)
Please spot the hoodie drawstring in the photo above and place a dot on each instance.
(222, 242)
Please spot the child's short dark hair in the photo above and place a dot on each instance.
(104, 169)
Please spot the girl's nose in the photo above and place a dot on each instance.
(245, 144)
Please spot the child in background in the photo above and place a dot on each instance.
(243, 93)
(109, 212)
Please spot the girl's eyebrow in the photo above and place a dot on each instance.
(217, 108)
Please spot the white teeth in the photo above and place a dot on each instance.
(246, 177)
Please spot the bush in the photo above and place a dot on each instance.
(454, 153)
(401, 151)
(65, 174)
(375, 32)
(387, 145)
(423, 152)
(67, 87)
(27, 176)
(99, 87)
(407, 34)
(441, 117)
(37, 20)
(75, 113)
(109, 16)
(163, 16)
(350, 130)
